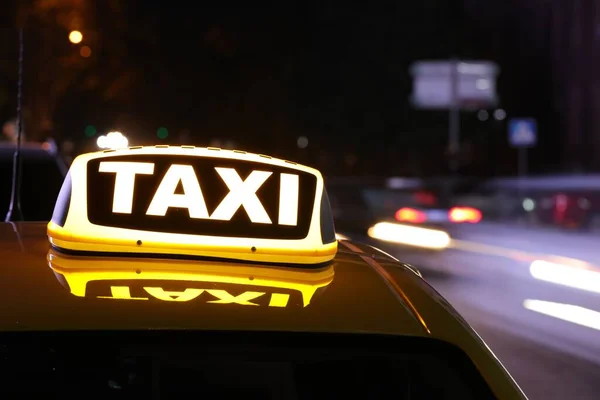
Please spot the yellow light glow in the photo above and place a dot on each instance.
(410, 235)
(79, 234)
(75, 37)
(79, 271)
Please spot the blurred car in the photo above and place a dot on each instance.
(561, 201)
(42, 176)
(567, 209)
(163, 302)
(424, 216)
(436, 208)
(351, 212)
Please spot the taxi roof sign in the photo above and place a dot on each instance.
(193, 201)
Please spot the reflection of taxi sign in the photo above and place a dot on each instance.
(195, 202)
(188, 280)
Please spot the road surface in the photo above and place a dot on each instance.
(533, 296)
(543, 370)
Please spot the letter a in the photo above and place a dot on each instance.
(192, 198)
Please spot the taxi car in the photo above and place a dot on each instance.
(176, 272)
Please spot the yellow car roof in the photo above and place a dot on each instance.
(363, 291)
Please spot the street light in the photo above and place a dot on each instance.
(75, 37)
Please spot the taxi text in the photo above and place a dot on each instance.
(242, 193)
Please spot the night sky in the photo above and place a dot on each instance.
(261, 77)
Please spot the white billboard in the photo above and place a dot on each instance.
(475, 84)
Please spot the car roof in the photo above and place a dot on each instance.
(370, 292)
(28, 150)
(346, 306)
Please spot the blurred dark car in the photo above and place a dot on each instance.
(42, 176)
(351, 211)
(437, 207)
(567, 202)
(412, 219)
(438, 203)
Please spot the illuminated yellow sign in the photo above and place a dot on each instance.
(197, 202)
(210, 282)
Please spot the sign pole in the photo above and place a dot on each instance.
(522, 167)
(522, 161)
(522, 134)
(454, 120)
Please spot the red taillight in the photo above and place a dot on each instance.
(464, 214)
(561, 203)
(410, 215)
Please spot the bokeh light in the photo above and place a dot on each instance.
(75, 37)
(302, 142)
(112, 140)
(90, 131)
(85, 51)
(162, 133)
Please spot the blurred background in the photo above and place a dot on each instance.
(461, 136)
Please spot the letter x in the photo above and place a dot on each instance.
(226, 298)
(242, 194)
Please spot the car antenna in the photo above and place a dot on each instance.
(14, 208)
